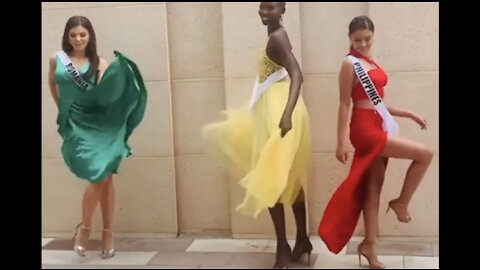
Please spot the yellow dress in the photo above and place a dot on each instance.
(275, 168)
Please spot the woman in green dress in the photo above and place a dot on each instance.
(99, 105)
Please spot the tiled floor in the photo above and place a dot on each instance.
(188, 253)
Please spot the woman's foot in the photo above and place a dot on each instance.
(303, 246)
(282, 257)
(108, 246)
(81, 239)
(368, 250)
(400, 210)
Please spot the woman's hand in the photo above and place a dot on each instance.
(285, 124)
(419, 120)
(341, 154)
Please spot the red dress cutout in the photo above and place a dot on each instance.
(368, 138)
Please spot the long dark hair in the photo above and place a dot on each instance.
(90, 50)
(360, 22)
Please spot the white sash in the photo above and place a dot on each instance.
(71, 70)
(258, 90)
(389, 124)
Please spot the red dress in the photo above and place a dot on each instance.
(368, 138)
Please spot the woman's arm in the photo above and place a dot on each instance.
(345, 82)
(51, 80)
(283, 50)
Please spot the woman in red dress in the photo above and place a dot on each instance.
(373, 146)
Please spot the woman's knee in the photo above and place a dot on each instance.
(425, 155)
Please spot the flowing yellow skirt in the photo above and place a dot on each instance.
(275, 168)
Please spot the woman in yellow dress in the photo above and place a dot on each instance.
(269, 139)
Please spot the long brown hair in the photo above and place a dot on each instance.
(90, 50)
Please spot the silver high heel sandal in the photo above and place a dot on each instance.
(79, 249)
(106, 254)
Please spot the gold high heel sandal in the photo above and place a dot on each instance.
(108, 253)
(373, 265)
(79, 249)
(392, 204)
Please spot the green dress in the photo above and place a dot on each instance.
(96, 123)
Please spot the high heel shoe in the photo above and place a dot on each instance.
(297, 254)
(279, 259)
(110, 252)
(393, 204)
(361, 252)
(80, 249)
